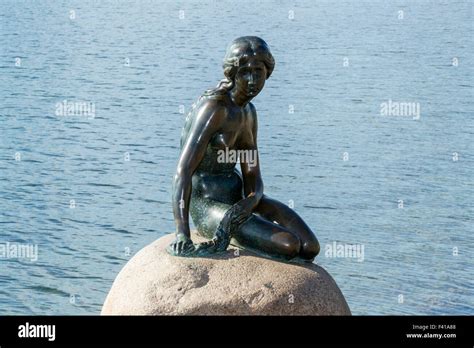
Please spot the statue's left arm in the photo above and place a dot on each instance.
(253, 183)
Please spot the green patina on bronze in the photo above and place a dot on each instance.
(228, 206)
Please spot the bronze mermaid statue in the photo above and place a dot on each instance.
(228, 206)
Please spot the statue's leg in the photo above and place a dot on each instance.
(257, 233)
(275, 211)
(261, 235)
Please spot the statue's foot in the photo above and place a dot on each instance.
(216, 245)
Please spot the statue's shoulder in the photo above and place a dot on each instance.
(251, 113)
(210, 103)
(213, 99)
(201, 111)
(252, 109)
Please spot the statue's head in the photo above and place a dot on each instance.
(247, 64)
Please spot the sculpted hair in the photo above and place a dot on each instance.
(237, 55)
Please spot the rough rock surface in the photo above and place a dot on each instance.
(236, 282)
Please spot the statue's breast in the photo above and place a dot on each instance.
(221, 141)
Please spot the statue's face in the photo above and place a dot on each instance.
(250, 78)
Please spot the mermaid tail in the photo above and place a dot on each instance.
(221, 240)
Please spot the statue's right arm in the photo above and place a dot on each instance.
(207, 121)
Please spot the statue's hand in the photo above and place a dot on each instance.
(241, 211)
(182, 246)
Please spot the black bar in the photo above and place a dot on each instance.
(291, 331)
